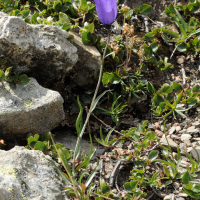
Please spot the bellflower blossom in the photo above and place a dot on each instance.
(106, 10)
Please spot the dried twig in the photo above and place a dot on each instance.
(183, 72)
(101, 169)
(111, 128)
(159, 195)
(114, 173)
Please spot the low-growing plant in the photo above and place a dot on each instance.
(171, 99)
(143, 137)
(105, 142)
(116, 108)
(7, 75)
(188, 39)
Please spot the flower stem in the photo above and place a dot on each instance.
(94, 97)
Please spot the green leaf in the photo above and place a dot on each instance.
(127, 187)
(83, 4)
(153, 155)
(191, 193)
(191, 101)
(79, 122)
(63, 18)
(182, 47)
(196, 88)
(105, 189)
(57, 6)
(145, 9)
(2, 75)
(166, 171)
(187, 178)
(176, 86)
(40, 146)
(108, 135)
(165, 162)
(97, 100)
(150, 88)
(32, 140)
(34, 17)
(24, 80)
(154, 46)
(149, 36)
(178, 159)
(60, 172)
(89, 179)
(133, 185)
(86, 38)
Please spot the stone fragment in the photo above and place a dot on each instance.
(157, 125)
(196, 124)
(180, 198)
(40, 51)
(187, 142)
(178, 128)
(183, 131)
(28, 109)
(192, 129)
(169, 197)
(183, 147)
(195, 154)
(27, 175)
(89, 61)
(172, 144)
(159, 133)
(185, 136)
(69, 139)
(172, 130)
(182, 195)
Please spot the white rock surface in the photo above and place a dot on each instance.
(40, 51)
(185, 136)
(172, 144)
(28, 109)
(89, 61)
(28, 175)
(194, 153)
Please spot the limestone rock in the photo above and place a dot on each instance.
(172, 144)
(185, 136)
(68, 139)
(194, 153)
(40, 51)
(28, 109)
(89, 60)
(28, 175)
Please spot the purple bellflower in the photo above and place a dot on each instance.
(106, 10)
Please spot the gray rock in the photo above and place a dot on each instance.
(68, 139)
(196, 124)
(172, 130)
(28, 175)
(28, 109)
(172, 144)
(89, 61)
(187, 142)
(194, 153)
(40, 51)
(183, 147)
(180, 198)
(192, 129)
(169, 197)
(185, 136)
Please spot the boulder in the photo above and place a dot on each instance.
(29, 175)
(89, 60)
(28, 109)
(40, 51)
